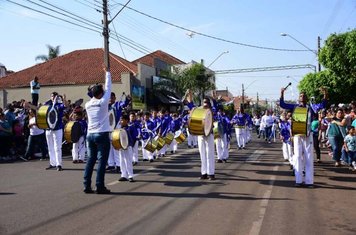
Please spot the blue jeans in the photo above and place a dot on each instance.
(336, 145)
(351, 157)
(98, 145)
(268, 131)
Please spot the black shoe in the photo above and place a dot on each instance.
(109, 168)
(131, 180)
(75, 161)
(103, 191)
(117, 169)
(134, 163)
(59, 168)
(204, 177)
(80, 161)
(211, 177)
(318, 160)
(50, 167)
(219, 161)
(163, 155)
(225, 160)
(239, 147)
(309, 185)
(172, 152)
(88, 190)
(243, 147)
(151, 160)
(145, 160)
(298, 185)
(122, 179)
(293, 173)
(195, 146)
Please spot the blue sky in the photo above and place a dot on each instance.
(25, 34)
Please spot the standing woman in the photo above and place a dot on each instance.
(205, 144)
(336, 133)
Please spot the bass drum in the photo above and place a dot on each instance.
(169, 138)
(179, 137)
(120, 139)
(150, 145)
(299, 121)
(112, 119)
(46, 117)
(200, 121)
(72, 132)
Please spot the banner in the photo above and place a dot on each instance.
(138, 97)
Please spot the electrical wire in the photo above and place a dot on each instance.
(210, 36)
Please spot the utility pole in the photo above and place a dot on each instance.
(319, 67)
(106, 35)
(243, 96)
(257, 100)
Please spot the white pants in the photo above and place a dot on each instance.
(126, 162)
(247, 134)
(54, 142)
(303, 159)
(240, 137)
(206, 150)
(287, 152)
(78, 150)
(222, 148)
(192, 139)
(173, 145)
(145, 153)
(113, 159)
(163, 150)
(135, 152)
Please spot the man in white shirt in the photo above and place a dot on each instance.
(35, 89)
(98, 138)
(267, 121)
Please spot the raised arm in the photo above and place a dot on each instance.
(284, 105)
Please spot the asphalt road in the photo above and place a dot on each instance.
(254, 193)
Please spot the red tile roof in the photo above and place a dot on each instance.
(149, 59)
(77, 67)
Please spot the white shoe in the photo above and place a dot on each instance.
(354, 164)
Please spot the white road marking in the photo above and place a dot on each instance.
(256, 226)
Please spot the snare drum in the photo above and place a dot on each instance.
(72, 132)
(299, 121)
(179, 137)
(200, 121)
(150, 145)
(47, 117)
(169, 138)
(120, 139)
(160, 142)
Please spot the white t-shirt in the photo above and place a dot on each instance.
(34, 91)
(34, 130)
(98, 110)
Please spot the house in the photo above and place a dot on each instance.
(72, 73)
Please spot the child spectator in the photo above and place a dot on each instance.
(78, 150)
(350, 147)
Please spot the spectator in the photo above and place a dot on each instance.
(350, 147)
(5, 140)
(35, 89)
(336, 135)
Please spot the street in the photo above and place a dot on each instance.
(253, 193)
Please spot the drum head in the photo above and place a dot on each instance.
(208, 122)
(76, 132)
(112, 120)
(52, 118)
(177, 133)
(124, 140)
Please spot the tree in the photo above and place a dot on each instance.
(338, 57)
(53, 52)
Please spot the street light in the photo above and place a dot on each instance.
(315, 52)
(224, 52)
(243, 91)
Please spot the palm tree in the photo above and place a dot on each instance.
(53, 52)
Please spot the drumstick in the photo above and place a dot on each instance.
(287, 86)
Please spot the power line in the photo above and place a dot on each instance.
(210, 36)
(85, 4)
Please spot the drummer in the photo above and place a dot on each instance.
(222, 148)
(118, 107)
(125, 155)
(175, 126)
(303, 145)
(136, 124)
(164, 129)
(157, 123)
(205, 143)
(147, 134)
(78, 150)
(54, 136)
(239, 122)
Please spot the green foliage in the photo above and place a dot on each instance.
(338, 56)
(53, 52)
